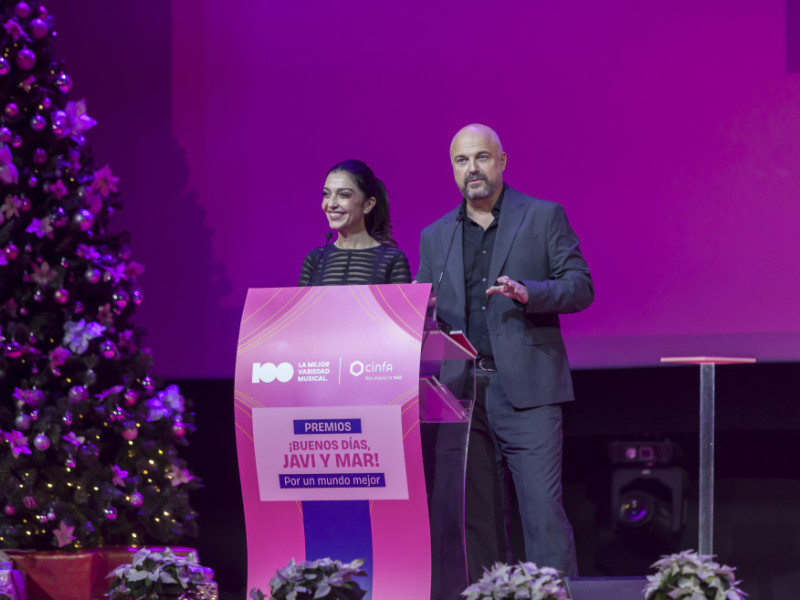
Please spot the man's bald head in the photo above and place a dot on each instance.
(478, 162)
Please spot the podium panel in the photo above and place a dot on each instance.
(328, 432)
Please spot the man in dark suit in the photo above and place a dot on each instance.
(505, 265)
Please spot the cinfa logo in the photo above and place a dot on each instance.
(358, 368)
(268, 372)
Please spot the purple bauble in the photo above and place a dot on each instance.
(130, 397)
(41, 442)
(11, 251)
(130, 433)
(25, 204)
(10, 510)
(22, 10)
(136, 500)
(84, 219)
(179, 429)
(39, 156)
(92, 275)
(108, 349)
(12, 110)
(78, 393)
(39, 29)
(38, 122)
(26, 59)
(67, 418)
(4, 66)
(22, 422)
(147, 384)
(63, 83)
(110, 512)
(70, 462)
(61, 296)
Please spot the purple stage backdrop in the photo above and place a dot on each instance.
(670, 131)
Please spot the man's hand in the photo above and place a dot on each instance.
(510, 289)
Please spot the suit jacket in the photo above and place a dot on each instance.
(535, 245)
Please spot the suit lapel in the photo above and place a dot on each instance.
(512, 213)
(454, 270)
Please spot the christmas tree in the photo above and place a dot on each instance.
(88, 440)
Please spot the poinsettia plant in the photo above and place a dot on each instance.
(323, 579)
(688, 575)
(157, 575)
(523, 580)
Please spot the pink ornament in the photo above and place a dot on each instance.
(11, 110)
(4, 66)
(110, 512)
(22, 10)
(39, 29)
(38, 122)
(12, 350)
(5, 132)
(130, 397)
(84, 219)
(179, 429)
(77, 393)
(41, 442)
(108, 349)
(29, 502)
(70, 462)
(39, 156)
(63, 83)
(136, 500)
(92, 275)
(12, 252)
(130, 433)
(26, 59)
(61, 296)
(25, 204)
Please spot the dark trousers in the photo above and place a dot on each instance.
(525, 446)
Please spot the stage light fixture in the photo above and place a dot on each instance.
(648, 496)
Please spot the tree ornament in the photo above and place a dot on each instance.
(4, 66)
(136, 500)
(11, 110)
(115, 415)
(147, 384)
(16, 141)
(38, 296)
(137, 297)
(39, 29)
(32, 181)
(84, 219)
(63, 83)
(51, 515)
(9, 509)
(70, 462)
(5, 132)
(110, 512)
(130, 397)
(41, 442)
(59, 122)
(179, 429)
(130, 433)
(12, 252)
(26, 59)
(22, 10)
(67, 419)
(121, 299)
(12, 349)
(89, 377)
(108, 349)
(46, 102)
(29, 502)
(58, 217)
(77, 393)
(92, 275)
(22, 422)
(61, 296)
(25, 204)
(77, 307)
(39, 156)
(38, 122)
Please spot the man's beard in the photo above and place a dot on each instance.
(480, 193)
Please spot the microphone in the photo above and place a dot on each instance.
(459, 220)
(328, 237)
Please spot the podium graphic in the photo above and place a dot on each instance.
(337, 390)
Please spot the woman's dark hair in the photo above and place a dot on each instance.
(377, 221)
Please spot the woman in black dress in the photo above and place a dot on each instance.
(364, 252)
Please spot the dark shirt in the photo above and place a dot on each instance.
(478, 246)
(381, 264)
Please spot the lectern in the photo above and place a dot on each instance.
(331, 409)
